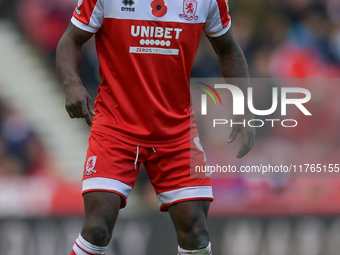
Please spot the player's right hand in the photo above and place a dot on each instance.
(79, 103)
(248, 135)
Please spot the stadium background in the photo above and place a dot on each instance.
(42, 150)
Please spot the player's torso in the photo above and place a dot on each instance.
(146, 49)
(155, 27)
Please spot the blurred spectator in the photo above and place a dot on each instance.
(21, 152)
(44, 22)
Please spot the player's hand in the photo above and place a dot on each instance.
(79, 103)
(248, 135)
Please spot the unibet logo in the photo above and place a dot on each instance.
(156, 32)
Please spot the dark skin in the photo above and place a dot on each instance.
(101, 208)
(101, 212)
(79, 103)
(233, 65)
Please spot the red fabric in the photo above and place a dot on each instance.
(223, 7)
(139, 101)
(86, 9)
(168, 168)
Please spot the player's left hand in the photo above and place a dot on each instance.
(248, 135)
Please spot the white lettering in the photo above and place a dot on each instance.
(238, 97)
(159, 32)
(220, 121)
(167, 33)
(261, 112)
(272, 120)
(297, 102)
(178, 31)
(282, 123)
(204, 104)
(145, 31)
(133, 32)
(238, 123)
(238, 100)
(254, 120)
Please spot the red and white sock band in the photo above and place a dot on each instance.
(205, 251)
(83, 247)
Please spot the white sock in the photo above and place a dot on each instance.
(83, 247)
(205, 251)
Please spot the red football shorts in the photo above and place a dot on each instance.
(112, 165)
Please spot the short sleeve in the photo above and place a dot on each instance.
(88, 15)
(218, 21)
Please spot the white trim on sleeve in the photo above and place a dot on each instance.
(101, 183)
(220, 32)
(184, 193)
(83, 26)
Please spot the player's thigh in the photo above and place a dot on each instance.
(103, 206)
(170, 170)
(109, 166)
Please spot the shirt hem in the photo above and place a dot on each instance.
(83, 26)
(220, 32)
(151, 144)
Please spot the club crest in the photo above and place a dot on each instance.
(90, 163)
(189, 10)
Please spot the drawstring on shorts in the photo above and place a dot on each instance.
(136, 160)
(137, 154)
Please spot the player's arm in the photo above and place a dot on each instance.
(79, 103)
(233, 65)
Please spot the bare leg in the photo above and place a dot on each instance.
(101, 212)
(190, 221)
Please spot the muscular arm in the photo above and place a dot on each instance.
(231, 59)
(233, 65)
(79, 103)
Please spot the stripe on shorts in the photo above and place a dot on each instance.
(184, 193)
(101, 183)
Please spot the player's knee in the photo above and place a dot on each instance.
(97, 234)
(196, 237)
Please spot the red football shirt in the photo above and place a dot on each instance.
(146, 49)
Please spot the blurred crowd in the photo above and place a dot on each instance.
(21, 151)
(280, 39)
(287, 38)
(290, 38)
